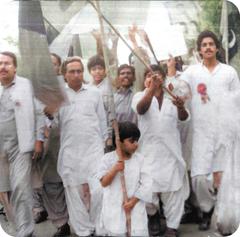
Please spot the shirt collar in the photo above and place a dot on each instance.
(83, 87)
(121, 91)
(11, 83)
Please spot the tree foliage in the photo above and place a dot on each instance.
(211, 15)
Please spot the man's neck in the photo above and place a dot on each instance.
(7, 82)
(171, 72)
(210, 64)
(76, 88)
(125, 88)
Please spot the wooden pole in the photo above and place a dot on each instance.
(126, 43)
(115, 124)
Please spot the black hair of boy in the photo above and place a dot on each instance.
(96, 60)
(127, 130)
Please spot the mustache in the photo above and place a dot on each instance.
(3, 71)
(208, 51)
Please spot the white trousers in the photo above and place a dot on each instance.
(204, 191)
(84, 205)
(173, 206)
(21, 195)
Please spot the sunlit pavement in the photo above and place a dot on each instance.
(46, 229)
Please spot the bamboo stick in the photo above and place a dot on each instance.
(115, 124)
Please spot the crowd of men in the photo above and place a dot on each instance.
(62, 163)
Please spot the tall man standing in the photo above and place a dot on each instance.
(83, 131)
(208, 81)
(17, 139)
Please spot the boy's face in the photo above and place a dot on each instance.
(98, 73)
(129, 146)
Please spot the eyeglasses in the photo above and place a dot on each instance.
(78, 71)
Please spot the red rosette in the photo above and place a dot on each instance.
(202, 89)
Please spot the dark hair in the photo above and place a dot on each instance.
(207, 34)
(11, 55)
(57, 57)
(70, 60)
(94, 61)
(155, 68)
(127, 130)
(123, 66)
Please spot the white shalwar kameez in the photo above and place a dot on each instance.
(83, 130)
(160, 145)
(221, 80)
(228, 200)
(138, 184)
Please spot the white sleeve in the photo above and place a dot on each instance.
(136, 98)
(187, 75)
(235, 84)
(144, 190)
(102, 117)
(104, 166)
(39, 120)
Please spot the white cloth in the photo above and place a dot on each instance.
(202, 186)
(221, 80)
(228, 199)
(173, 206)
(22, 97)
(108, 102)
(138, 184)
(83, 130)
(160, 144)
(78, 212)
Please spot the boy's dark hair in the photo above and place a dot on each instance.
(11, 55)
(123, 66)
(57, 57)
(207, 34)
(127, 130)
(155, 68)
(94, 61)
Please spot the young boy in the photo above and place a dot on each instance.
(96, 67)
(138, 185)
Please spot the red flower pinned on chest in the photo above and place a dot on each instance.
(202, 90)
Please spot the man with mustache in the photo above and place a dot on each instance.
(124, 94)
(17, 138)
(208, 80)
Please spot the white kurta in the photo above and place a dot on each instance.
(83, 131)
(223, 78)
(160, 144)
(108, 102)
(138, 184)
(228, 200)
(22, 97)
